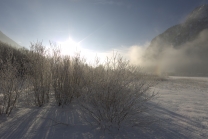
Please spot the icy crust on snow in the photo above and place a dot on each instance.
(181, 109)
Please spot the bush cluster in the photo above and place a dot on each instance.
(109, 94)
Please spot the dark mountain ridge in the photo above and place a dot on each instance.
(179, 34)
(183, 47)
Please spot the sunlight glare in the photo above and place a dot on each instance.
(71, 47)
(68, 47)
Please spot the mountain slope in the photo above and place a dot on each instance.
(7, 40)
(183, 48)
(177, 35)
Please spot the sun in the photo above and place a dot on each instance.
(71, 48)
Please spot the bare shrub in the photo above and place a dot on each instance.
(116, 94)
(10, 84)
(78, 81)
(61, 81)
(40, 73)
(67, 77)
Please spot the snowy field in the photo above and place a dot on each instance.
(181, 109)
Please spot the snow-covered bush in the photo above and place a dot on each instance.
(40, 73)
(61, 81)
(116, 94)
(11, 84)
(66, 76)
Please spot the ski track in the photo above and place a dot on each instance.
(181, 109)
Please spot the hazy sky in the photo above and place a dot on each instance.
(96, 24)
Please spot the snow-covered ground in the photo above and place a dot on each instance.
(181, 109)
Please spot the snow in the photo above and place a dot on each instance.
(181, 108)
